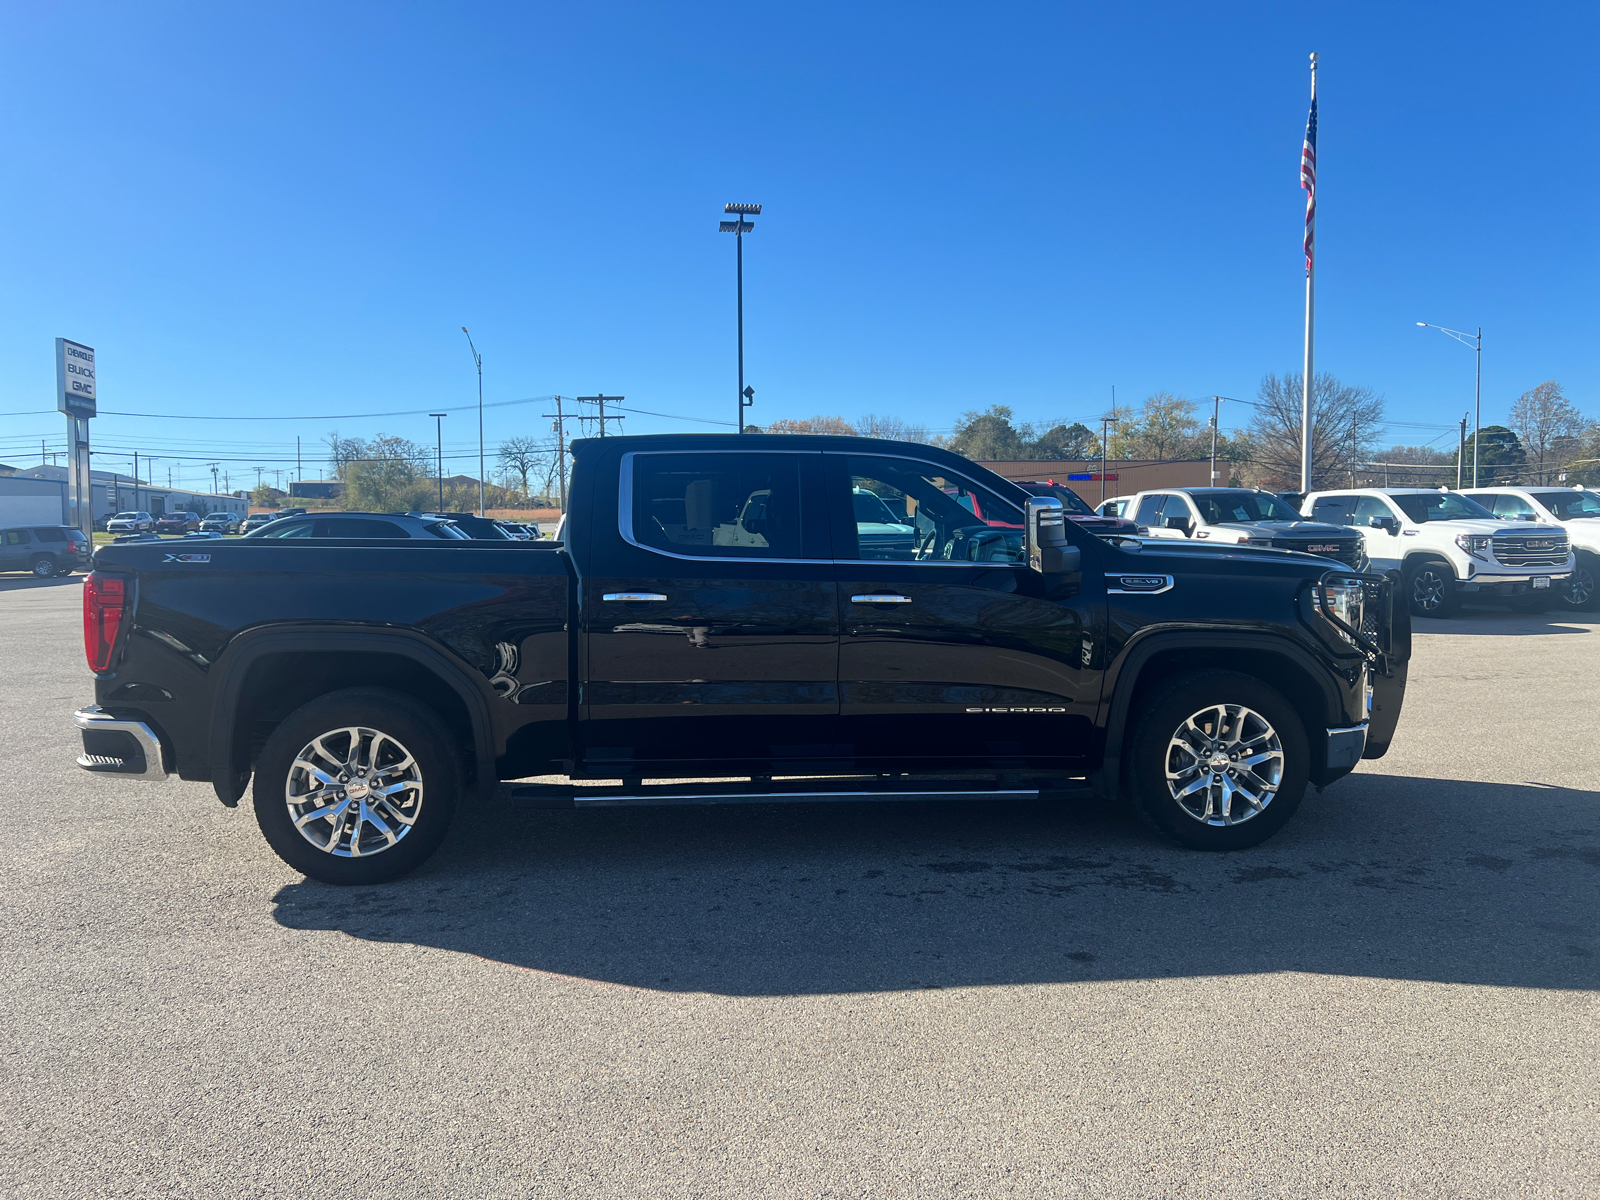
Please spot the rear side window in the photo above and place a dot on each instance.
(50, 535)
(288, 529)
(357, 527)
(717, 505)
(1335, 510)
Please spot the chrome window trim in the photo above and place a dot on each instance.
(625, 516)
(625, 509)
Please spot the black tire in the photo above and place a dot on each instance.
(1431, 588)
(43, 567)
(399, 718)
(1582, 593)
(1166, 712)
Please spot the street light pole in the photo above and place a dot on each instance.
(477, 360)
(739, 227)
(1476, 342)
(438, 430)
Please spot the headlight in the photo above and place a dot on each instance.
(1345, 601)
(1475, 544)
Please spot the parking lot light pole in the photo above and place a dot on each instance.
(438, 429)
(477, 360)
(1476, 342)
(739, 227)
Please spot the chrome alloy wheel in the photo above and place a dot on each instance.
(1224, 764)
(1428, 589)
(354, 792)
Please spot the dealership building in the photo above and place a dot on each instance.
(39, 495)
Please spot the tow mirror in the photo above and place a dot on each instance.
(1049, 552)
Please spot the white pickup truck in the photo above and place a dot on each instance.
(1575, 509)
(1447, 546)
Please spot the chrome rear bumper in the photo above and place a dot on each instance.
(116, 747)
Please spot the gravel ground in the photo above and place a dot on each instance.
(1395, 997)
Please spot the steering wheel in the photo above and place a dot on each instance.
(925, 543)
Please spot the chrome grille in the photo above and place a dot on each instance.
(1548, 550)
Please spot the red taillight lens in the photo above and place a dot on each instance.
(103, 598)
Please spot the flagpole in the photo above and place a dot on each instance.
(1311, 279)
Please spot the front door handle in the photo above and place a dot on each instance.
(632, 597)
(881, 598)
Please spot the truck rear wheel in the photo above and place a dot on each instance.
(1583, 589)
(1218, 761)
(43, 567)
(357, 786)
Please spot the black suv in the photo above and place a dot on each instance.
(46, 550)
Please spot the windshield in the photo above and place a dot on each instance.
(1569, 505)
(1070, 500)
(1218, 508)
(1423, 507)
(124, 516)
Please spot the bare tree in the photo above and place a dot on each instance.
(342, 452)
(1345, 420)
(520, 457)
(1544, 418)
(894, 429)
(818, 424)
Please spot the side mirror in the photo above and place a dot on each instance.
(1385, 523)
(1049, 552)
(1180, 523)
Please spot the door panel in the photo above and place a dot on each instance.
(950, 652)
(736, 661)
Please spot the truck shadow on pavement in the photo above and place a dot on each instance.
(1500, 622)
(1380, 876)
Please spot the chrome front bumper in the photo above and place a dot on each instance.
(113, 746)
(1346, 746)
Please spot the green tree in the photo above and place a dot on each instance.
(1166, 428)
(1501, 458)
(989, 436)
(263, 496)
(392, 476)
(1066, 443)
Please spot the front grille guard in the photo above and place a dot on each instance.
(1377, 590)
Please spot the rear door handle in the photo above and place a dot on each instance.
(881, 598)
(632, 597)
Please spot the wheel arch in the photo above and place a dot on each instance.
(265, 676)
(1292, 670)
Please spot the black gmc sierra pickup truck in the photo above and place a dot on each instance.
(802, 617)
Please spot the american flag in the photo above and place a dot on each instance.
(1308, 179)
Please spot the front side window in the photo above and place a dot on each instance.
(356, 527)
(1219, 508)
(1149, 513)
(1423, 507)
(909, 511)
(16, 537)
(718, 505)
(1070, 500)
(288, 529)
(1569, 505)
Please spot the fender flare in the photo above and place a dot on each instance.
(251, 647)
(1123, 681)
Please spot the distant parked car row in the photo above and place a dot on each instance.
(446, 526)
(1529, 547)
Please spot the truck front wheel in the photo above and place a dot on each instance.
(1431, 589)
(1219, 761)
(357, 786)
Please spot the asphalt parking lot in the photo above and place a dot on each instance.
(1396, 997)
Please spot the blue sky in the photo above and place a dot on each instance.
(292, 209)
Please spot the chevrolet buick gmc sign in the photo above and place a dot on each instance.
(74, 378)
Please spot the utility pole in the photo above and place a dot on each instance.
(135, 481)
(1216, 411)
(601, 401)
(438, 429)
(478, 362)
(1476, 342)
(213, 467)
(561, 451)
(1461, 451)
(298, 473)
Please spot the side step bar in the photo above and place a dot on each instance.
(786, 791)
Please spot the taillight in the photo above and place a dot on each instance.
(103, 600)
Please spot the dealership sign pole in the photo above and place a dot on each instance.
(75, 396)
